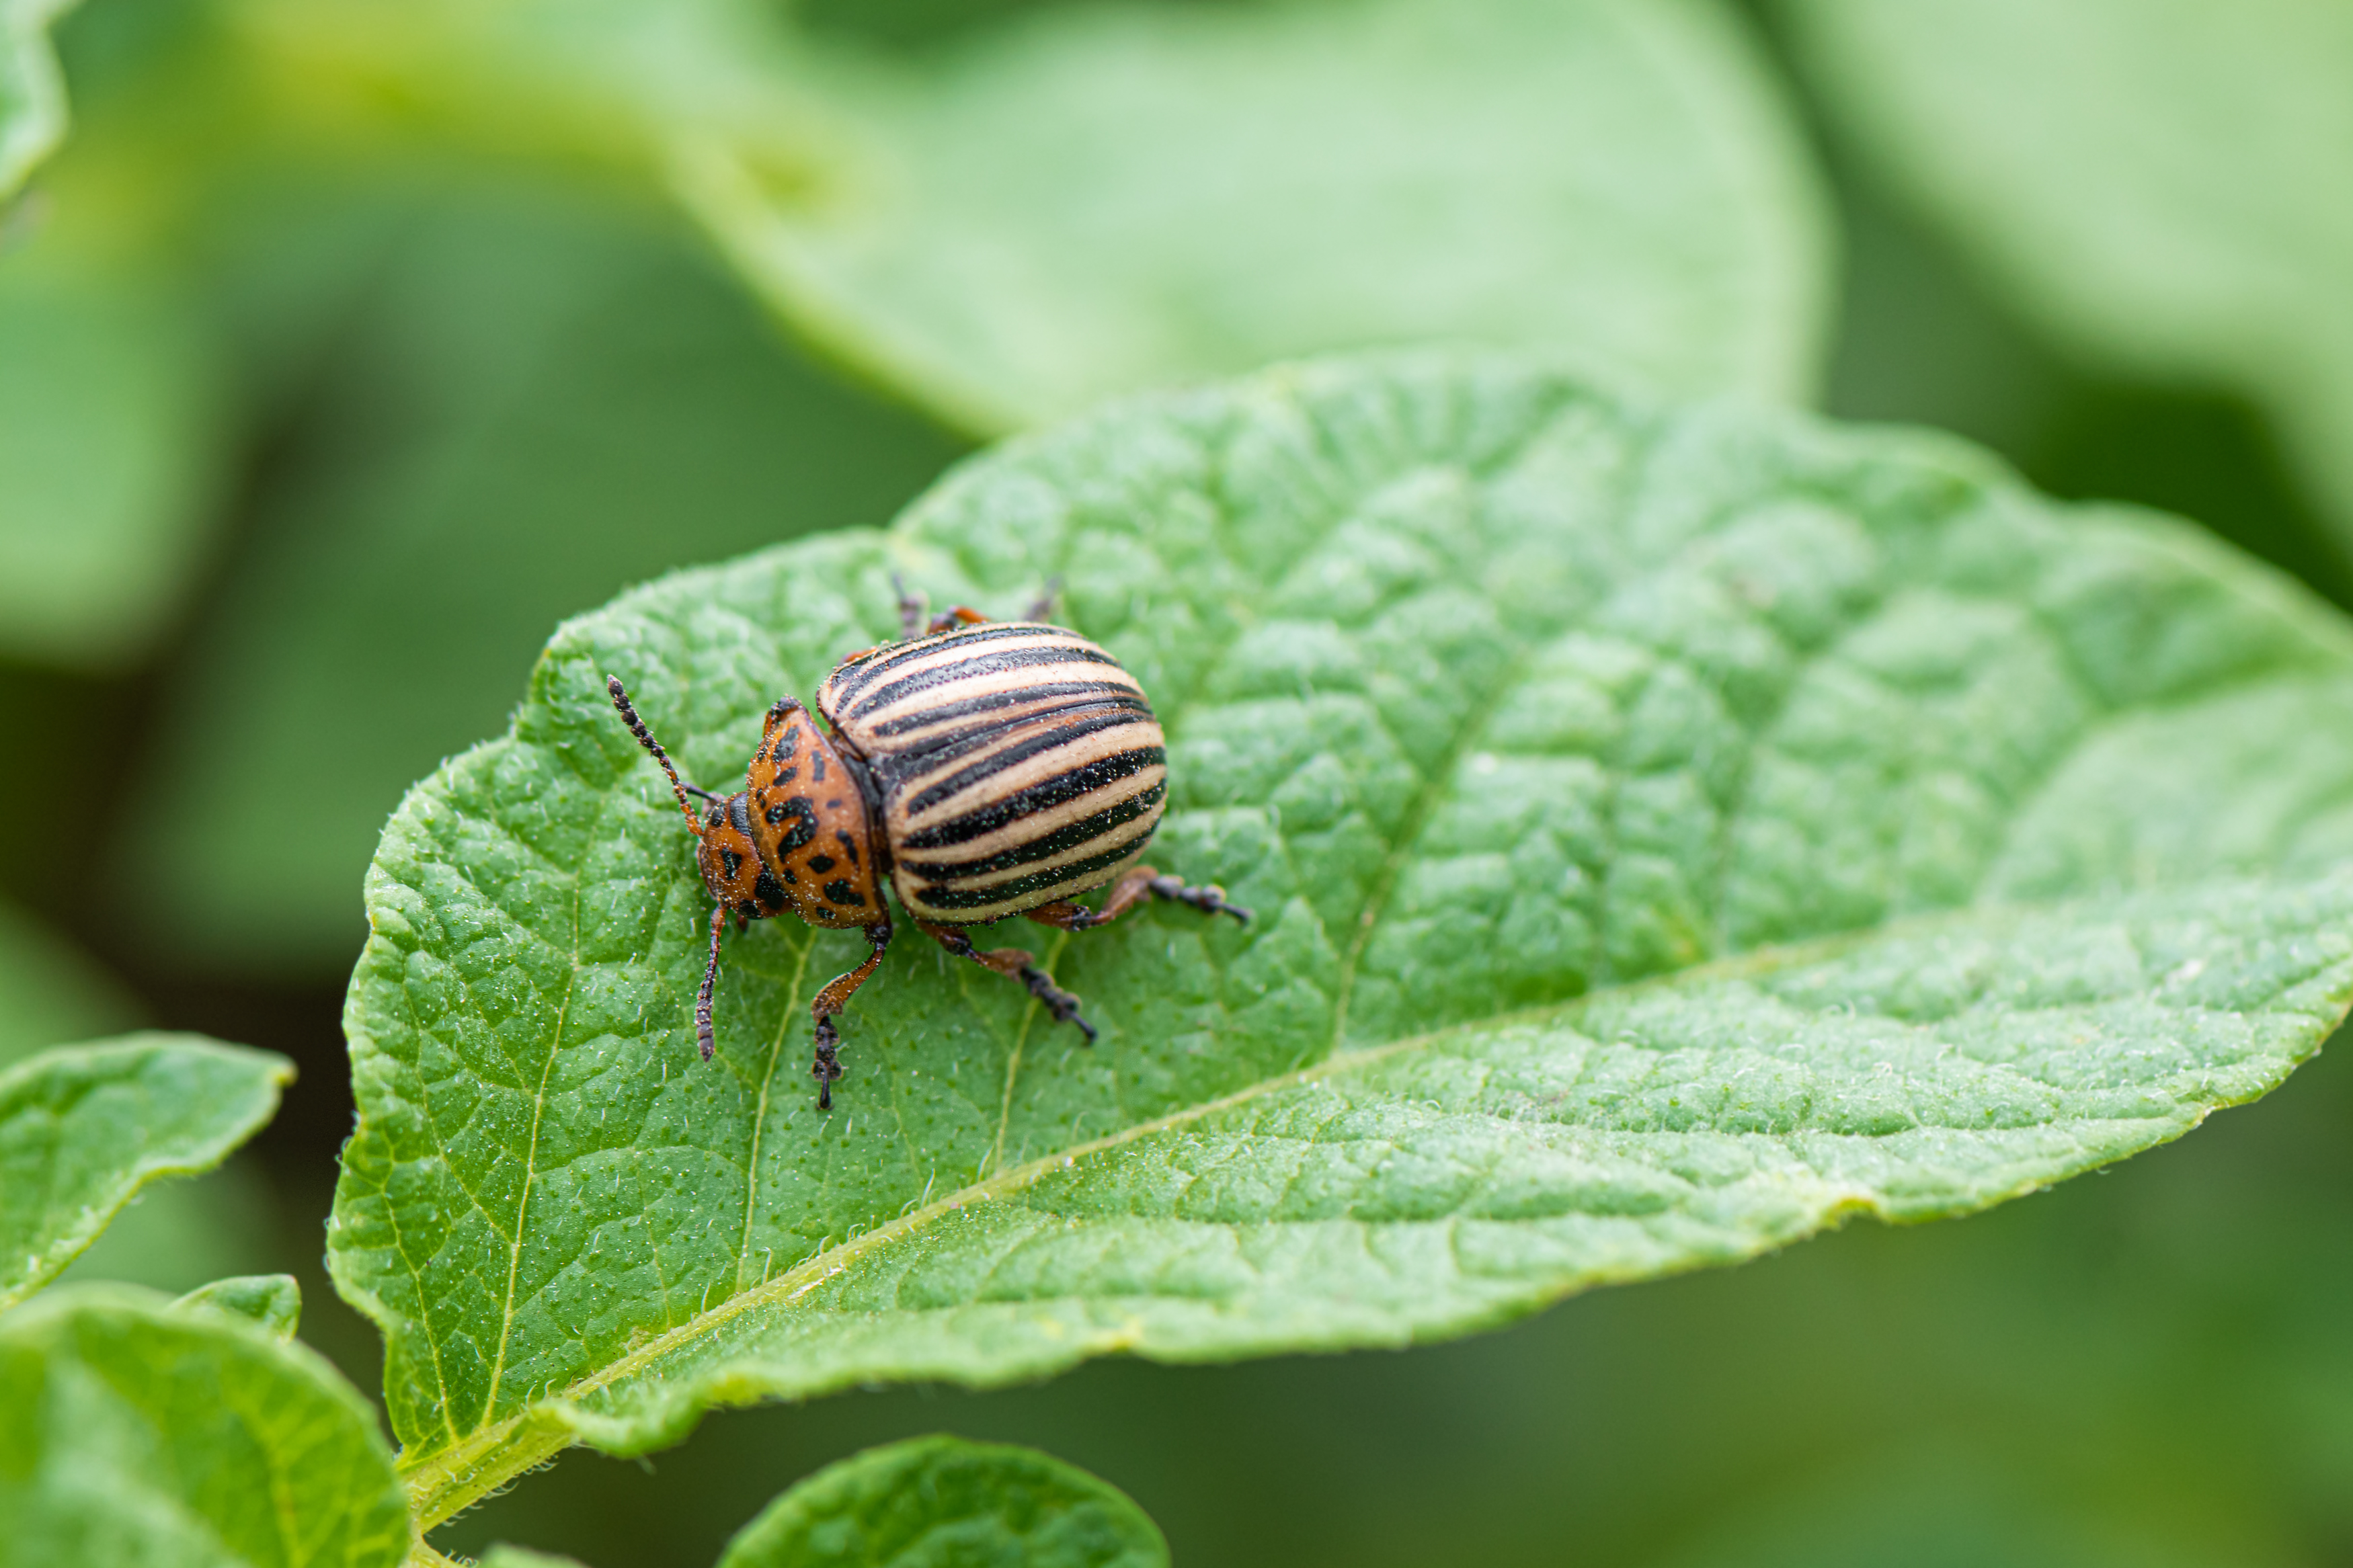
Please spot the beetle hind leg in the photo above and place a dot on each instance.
(827, 1066)
(1015, 963)
(1140, 883)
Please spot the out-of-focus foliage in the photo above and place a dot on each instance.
(50, 993)
(32, 98)
(2160, 187)
(1088, 199)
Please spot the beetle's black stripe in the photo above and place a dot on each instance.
(1043, 795)
(1046, 740)
(1077, 876)
(979, 667)
(1069, 836)
(849, 680)
(927, 757)
(993, 701)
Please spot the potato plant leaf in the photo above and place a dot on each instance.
(273, 1301)
(32, 93)
(1091, 199)
(1671, 832)
(2160, 185)
(134, 1433)
(940, 1501)
(83, 1128)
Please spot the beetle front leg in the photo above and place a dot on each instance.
(828, 1004)
(1140, 883)
(1015, 963)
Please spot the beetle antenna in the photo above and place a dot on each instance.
(702, 1032)
(1045, 600)
(678, 787)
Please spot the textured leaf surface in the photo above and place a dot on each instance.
(1669, 833)
(272, 1300)
(2163, 185)
(133, 1434)
(83, 1128)
(942, 1502)
(1090, 199)
(32, 94)
(1120, 198)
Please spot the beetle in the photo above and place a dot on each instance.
(980, 769)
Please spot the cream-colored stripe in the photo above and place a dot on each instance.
(951, 651)
(1048, 763)
(1037, 824)
(913, 898)
(1127, 833)
(866, 723)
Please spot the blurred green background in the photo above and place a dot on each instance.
(347, 348)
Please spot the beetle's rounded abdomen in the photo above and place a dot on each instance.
(1015, 765)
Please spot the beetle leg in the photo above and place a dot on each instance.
(1140, 883)
(831, 1002)
(911, 611)
(955, 615)
(1015, 963)
(702, 1035)
(1044, 605)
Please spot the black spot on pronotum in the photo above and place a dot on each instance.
(839, 892)
(821, 864)
(848, 845)
(769, 891)
(784, 776)
(730, 861)
(817, 767)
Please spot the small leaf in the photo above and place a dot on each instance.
(133, 1433)
(273, 1301)
(1671, 832)
(1097, 199)
(32, 93)
(939, 1500)
(83, 1128)
(2160, 185)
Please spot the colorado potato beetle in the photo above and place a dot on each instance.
(981, 769)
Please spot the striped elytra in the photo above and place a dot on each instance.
(986, 769)
(1013, 764)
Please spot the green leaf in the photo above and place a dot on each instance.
(134, 1434)
(538, 400)
(2160, 187)
(273, 1301)
(1115, 198)
(1671, 834)
(942, 1500)
(1095, 198)
(83, 1128)
(32, 93)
